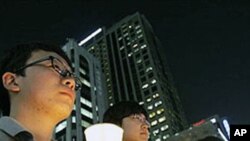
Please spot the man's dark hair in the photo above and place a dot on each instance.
(120, 110)
(16, 57)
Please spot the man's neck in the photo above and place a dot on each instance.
(40, 128)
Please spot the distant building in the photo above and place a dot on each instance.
(90, 101)
(197, 133)
(211, 127)
(135, 69)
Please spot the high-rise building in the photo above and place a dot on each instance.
(90, 101)
(135, 69)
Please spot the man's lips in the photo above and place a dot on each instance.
(68, 93)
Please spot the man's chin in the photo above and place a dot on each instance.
(64, 112)
(144, 137)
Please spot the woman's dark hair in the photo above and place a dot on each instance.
(120, 110)
(16, 57)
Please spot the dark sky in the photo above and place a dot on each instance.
(206, 42)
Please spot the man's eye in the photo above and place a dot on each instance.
(57, 66)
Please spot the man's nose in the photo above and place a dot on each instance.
(70, 82)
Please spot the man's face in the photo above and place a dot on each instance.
(135, 128)
(43, 90)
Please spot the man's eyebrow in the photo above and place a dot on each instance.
(66, 65)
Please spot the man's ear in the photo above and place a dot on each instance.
(9, 82)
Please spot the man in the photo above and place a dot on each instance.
(37, 91)
(132, 118)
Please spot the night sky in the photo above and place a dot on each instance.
(206, 43)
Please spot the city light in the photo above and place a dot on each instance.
(90, 36)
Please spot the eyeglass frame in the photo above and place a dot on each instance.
(141, 119)
(63, 73)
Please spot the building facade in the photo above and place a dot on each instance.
(135, 69)
(90, 101)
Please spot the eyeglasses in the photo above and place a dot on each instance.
(58, 66)
(140, 119)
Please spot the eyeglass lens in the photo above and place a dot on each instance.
(141, 119)
(64, 72)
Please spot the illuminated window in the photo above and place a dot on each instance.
(140, 36)
(122, 47)
(73, 119)
(130, 54)
(158, 103)
(86, 113)
(85, 82)
(150, 107)
(151, 115)
(141, 103)
(85, 123)
(120, 38)
(162, 119)
(149, 99)
(213, 120)
(145, 86)
(135, 45)
(126, 34)
(158, 139)
(137, 27)
(136, 50)
(127, 38)
(153, 123)
(149, 69)
(165, 127)
(160, 111)
(156, 95)
(166, 136)
(155, 132)
(139, 61)
(143, 46)
(61, 126)
(123, 26)
(86, 102)
(153, 81)
(138, 31)
(82, 71)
